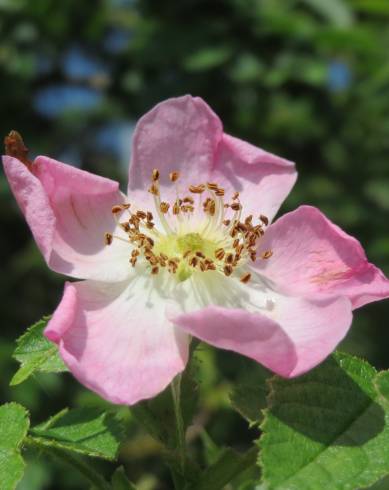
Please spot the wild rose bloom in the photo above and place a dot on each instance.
(189, 252)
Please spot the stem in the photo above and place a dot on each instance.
(87, 471)
(176, 394)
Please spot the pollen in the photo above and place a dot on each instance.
(190, 235)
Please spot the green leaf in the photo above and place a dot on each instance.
(249, 394)
(36, 353)
(86, 431)
(120, 481)
(327, 429)
(382, 384)
(158, 417)
(229, 465)
(207, 58)
(14, 423)
(335, 11)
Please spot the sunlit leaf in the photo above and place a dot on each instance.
(327, 429)
(14, 423)
(35, 353)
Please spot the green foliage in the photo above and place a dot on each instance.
(226, 468)
(14, 423)
(151, 412)
(36, 354)
(120, 481)
(327, 429)
(248, 396)
(86, 431)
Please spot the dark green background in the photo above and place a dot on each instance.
(307, 79)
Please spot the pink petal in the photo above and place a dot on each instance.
(263, 179)
(69, 211)
(184, 134)
(313, 255)
(116, 340)
(291, 338)
(179, 134)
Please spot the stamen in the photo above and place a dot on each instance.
(245, 278)
(264, 219)
(227, 270)
(164, 207)
(231, 242)
(197, 189)
(174, 176)
(219, 253)
(154, 190)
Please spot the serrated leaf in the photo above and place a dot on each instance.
(86, 431)
(120, 481)
(382, 383)
(14, 423)
(326, 429)
(36, 353)
(249, 394)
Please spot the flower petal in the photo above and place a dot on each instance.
(116, 340)
(288, 335)
(179, 134)
(184, 134)
(69, 211)
(313, 255)
(263, 179)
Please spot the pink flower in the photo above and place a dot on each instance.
(189, 257)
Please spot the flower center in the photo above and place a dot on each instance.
(209, 236)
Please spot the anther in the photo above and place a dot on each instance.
(108, 238)
(227, 270)
(193, 261)
(118, 208)
(245, 278)
(219, 192)
(188, 199)
(235, 196)
(164, 207)
(229, 258)
(155, 270)
(200, 254)
(176, 208)
(141, 214)
(155, 175)
(264, 219)
(154, 190)
(236, 206)
(226, 222)
(267, 254)
(174, 176)
(197, 189)
(219, 253)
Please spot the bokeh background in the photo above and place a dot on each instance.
(307, 79)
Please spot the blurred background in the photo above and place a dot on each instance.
(306, 79)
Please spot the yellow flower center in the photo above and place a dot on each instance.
(209, 236)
